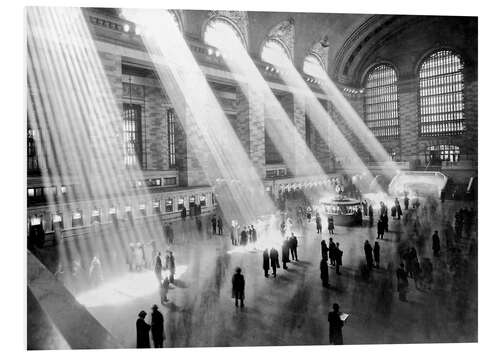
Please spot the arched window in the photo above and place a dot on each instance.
(441, 84)
(435, 154)
(313, 66)
(274, 52)
(381, 102)
(220, 31)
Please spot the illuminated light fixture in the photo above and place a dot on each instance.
(267, 68)
(210, 51)
(63, 189)
(217, 53)
(126, 27)
(31, 192)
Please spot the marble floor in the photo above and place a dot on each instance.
(292, 308)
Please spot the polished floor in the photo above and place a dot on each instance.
(292, 308)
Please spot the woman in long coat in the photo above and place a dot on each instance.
(265, 263)
(275, 261)
(324, 250)
(323, 267)
(285, 253)
(142, 331)
(238, 287)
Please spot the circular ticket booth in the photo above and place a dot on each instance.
(345, 211)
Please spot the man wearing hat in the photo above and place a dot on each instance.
(142, 331)
(157, 330)
(238, 287)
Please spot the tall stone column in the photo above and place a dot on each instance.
(250, 126)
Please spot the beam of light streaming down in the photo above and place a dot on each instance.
(322, 121)
(281, 130)
(79, 124)
(357, 125)
(239, 189)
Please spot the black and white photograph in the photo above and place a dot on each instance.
(247, 177)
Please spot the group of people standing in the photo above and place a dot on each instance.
(333, 253)
(217, 225)
(372, 254)
(159, 267)
(248, 234)
(155, 327)
(271, 257)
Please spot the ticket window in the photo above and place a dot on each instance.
(203, 200)
(95, 216)
(77, 219)
(113, 215)
(57, 221)
(36, 234)
(142, 209)
(36, 221)
(192, 201)
(156, 207)
(180, 204)
(169, 205)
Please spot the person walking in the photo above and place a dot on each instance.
(238, 287)
(331, 251)
(164, 290)
(436, 244)
(285, 253)
(171, 267)
(338, 258)
(336, 325)
(158, 267)
(370, 215)
(380, 229)
(324, 250)
(275, 262)
(244, 236)
(293, 246)
(220, 225)
(376, 254)
(368, 254)
(331, 226)
(319, 227)
(323, 267)
(265, 263)
(142, 328)
(214, 225)
(157, 330)
(385, 220)
(402, 277)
